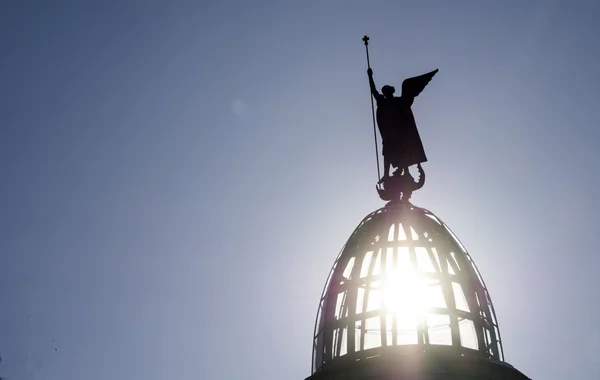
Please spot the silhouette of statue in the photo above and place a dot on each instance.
(401, 143)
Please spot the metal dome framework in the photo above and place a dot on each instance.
(403, 283)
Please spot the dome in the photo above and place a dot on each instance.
(403, 284)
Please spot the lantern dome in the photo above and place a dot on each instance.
(404, 290)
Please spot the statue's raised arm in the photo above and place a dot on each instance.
(412, 87)
(378, 97)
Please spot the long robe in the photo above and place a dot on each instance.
(401, 142)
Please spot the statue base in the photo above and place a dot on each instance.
(400, 186)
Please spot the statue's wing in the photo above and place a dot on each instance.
(412, 87)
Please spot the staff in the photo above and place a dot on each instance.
(366, 41)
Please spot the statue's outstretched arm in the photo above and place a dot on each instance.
(374, 91)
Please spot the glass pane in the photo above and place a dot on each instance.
(366, 264)
(434, 295)
(404, 259)
(454, 261)
(488, 336)
(391, 232)
(348, 269)
(407, 337)
(360, 299)
(344, 346)
(374, 301)
(439, 329)
(373, 335)
(424, 263)
(414, 235)
(450, 269)
(389, 320)
(434, 259)
(357, 336)
(335, 339)
(468, 336)
(459, 297)
(373, 325)
(339, 305)
(377, 266)
(389, 261)
(401, 233)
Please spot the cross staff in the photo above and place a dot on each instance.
(366, 41)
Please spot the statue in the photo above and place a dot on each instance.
(401, 143)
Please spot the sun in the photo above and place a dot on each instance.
(404, 294)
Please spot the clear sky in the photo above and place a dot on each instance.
(179, 176)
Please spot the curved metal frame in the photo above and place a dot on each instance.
(388, 235)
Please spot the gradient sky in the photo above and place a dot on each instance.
(179, 176)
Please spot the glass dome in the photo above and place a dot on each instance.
(403, 283)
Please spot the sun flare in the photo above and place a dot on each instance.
(405, 296)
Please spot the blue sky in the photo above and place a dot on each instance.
(179, 176)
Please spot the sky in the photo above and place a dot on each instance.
(179, 176)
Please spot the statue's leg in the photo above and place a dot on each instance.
(386, 170)
(386, 167)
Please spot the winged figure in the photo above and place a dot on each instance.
(402, 146)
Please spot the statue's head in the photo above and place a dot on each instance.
(388, 91)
